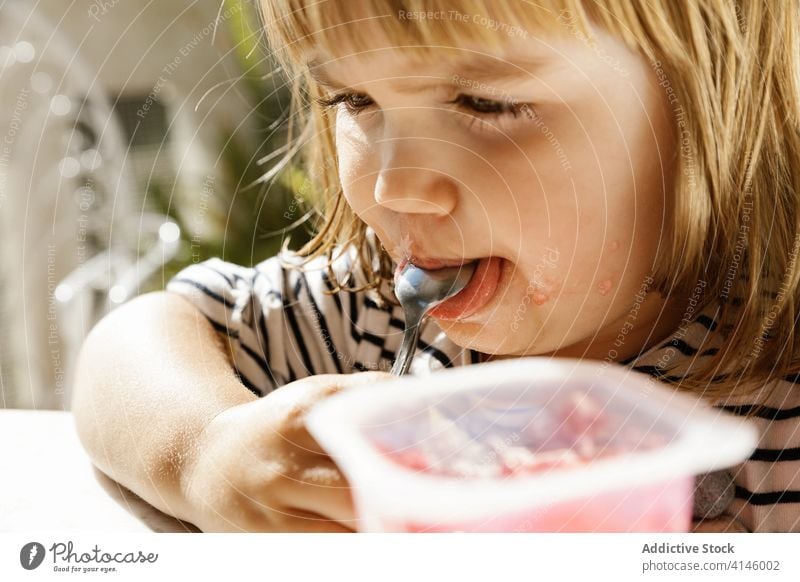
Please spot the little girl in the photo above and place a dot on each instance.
(625, 175)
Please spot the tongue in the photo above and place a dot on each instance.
(475, 295)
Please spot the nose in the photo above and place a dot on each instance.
(407, 183)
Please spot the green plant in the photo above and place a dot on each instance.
(257, 216)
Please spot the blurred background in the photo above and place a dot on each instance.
(134, 140)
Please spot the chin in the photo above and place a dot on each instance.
(499, 339)
(476, 336)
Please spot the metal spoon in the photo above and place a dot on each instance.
(418, 291)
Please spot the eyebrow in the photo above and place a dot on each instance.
(481, 69)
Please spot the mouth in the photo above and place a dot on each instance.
(482, 286)
(430, 264)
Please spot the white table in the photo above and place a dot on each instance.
(48, 482)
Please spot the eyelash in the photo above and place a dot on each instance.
(464, 102)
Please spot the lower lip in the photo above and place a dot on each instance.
(480, 289)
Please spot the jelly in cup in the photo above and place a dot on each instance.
(532, 444)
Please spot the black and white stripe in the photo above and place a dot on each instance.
(284, 324)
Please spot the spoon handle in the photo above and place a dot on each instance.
(406, 354)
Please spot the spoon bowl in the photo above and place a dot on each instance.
(419, 291)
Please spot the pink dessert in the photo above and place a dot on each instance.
(526, 445)
(576, 430)
(661, 507)
(495, 441)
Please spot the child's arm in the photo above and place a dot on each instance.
(159, 409)
(722, 524)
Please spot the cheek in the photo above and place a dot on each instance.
(357, 168)
(544, 280)
(614, 270)
(568, 272)
(613, 239)
(544, 289)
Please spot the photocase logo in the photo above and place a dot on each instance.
(31, 555)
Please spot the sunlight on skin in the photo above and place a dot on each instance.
(570, 159)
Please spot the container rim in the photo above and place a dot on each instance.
(706, 439)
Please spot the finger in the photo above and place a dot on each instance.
(296, 519)
(298, 397)
(324, 385)
(320, 489)
(301, 438)
(317, 389)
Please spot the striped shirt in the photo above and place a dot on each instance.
(283, 326)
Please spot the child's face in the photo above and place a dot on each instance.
(566, 184)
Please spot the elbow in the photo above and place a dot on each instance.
(106, 369)
(90, 384)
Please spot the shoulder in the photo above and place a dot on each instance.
(767, 489)
(697, 338)
(767, 495)
(278, 276)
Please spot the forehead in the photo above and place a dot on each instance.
(469, 62)
(424, 29)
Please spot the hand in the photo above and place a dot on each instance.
(721, 524)
(257, 468)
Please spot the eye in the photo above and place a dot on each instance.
(354, 102)
(490, 107)
(477, 107)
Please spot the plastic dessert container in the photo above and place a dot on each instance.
(533, 444)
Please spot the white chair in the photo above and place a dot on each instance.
(74, 240)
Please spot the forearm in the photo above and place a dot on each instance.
(150, 377)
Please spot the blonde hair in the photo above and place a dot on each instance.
(731, 70)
